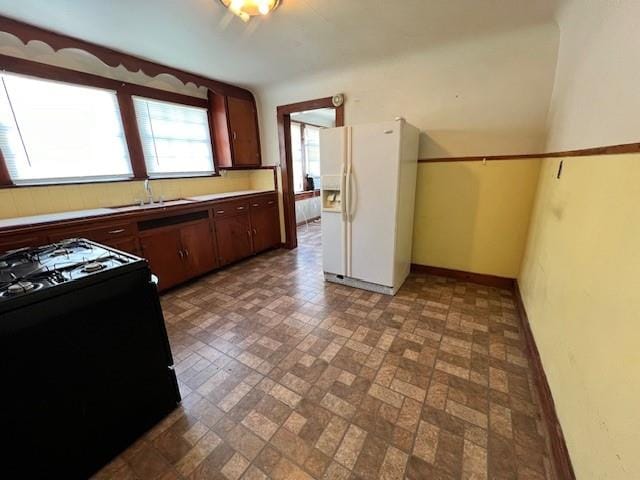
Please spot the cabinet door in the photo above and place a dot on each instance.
(244, 132)
(265, 228)
(129, 245)
(197, 245)
(234, 238)
(163, 250)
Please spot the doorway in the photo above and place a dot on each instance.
(299, 125)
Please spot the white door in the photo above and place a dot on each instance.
(332, 164)
(373, 195)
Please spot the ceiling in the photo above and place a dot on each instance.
(302, 37)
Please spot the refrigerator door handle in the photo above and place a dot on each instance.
(349, 238)
(343, 188)
(353, 195)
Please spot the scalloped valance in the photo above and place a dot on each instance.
(113, 58)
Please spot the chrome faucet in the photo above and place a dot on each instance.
(147, 189)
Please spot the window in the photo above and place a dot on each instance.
(175, 138)
(312, 151)
(58, 132)
(297, 157)
(305, 148)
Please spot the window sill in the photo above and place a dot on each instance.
(101, 182)
(307, 194)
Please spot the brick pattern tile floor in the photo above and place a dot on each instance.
(286, 377)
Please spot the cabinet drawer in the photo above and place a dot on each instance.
(229, 209)
(13, 242)
(128, 244)
(263, 201)
(96, 233)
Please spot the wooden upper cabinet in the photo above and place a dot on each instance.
(235, 131)
(244, 132)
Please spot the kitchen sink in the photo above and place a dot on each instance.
(147, 206)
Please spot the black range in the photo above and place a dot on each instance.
(85, 361)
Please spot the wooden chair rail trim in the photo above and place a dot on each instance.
(585, 152)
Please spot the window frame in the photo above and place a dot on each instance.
(125, 92)
(303, 157)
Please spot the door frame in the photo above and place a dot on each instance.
(283, 114)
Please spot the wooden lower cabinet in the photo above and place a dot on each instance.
(233, 235)
(179, 252)
(265, 228)
(198, 247)
(21, 241)
(128, 245)
(162, 249)
(178, 246)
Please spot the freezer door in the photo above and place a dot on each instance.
(332, 150)
(373, 192)
(332, 167)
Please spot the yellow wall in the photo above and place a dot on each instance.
(474, 217)
(262, 180)
(23, 201)
(580, 283)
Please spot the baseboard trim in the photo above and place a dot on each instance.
(312, 219)
(480, 278)
(559, 451)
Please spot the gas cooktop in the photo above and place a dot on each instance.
(29, 270)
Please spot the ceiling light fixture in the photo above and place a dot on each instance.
(245, 9)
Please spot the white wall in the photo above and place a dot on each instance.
(486, 95)
(596, 98)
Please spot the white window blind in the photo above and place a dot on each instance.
(175, 138)
(305, 149)
(312, 150)
(53, 132)
(297, 157)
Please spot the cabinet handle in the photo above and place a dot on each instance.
(249, 234)
(235, 136)
(181, 254)
(271, 202)
(186, 253)
(114, 232)
(255, 204)
(220, 211)
(240, 208)
(255, 232)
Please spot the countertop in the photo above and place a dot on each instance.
(222, 196)
(35, 220)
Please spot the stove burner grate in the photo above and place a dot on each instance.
(23, 286)
(93, 267)
(61, 251)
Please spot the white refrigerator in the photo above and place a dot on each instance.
(368, 195)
